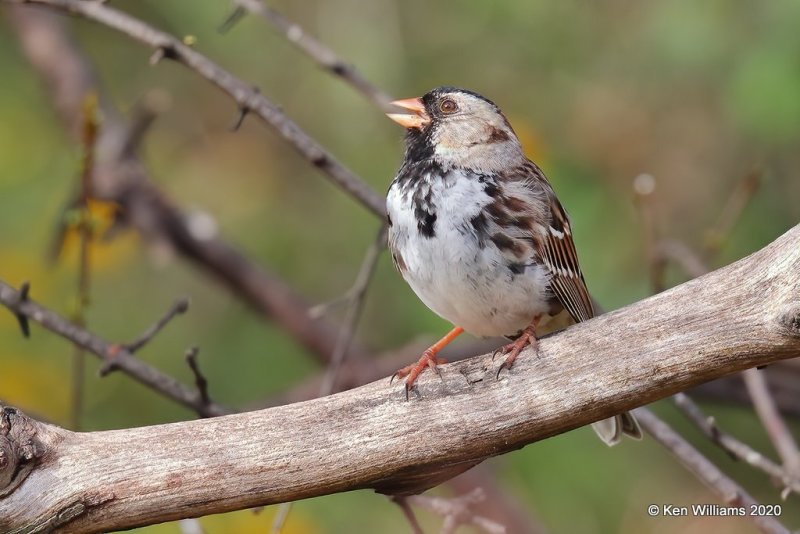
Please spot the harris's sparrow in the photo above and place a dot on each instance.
(478, 233)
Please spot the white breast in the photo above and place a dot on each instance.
(470, 285)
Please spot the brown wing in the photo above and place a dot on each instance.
(556, 249)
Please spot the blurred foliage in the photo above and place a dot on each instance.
(697, 94)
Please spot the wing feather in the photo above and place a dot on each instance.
(553, 243)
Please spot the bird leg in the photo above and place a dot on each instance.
(526, 337)
(428, 359)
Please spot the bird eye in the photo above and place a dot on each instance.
(448, 106)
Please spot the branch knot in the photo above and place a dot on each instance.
(19, 449)
(790, 320)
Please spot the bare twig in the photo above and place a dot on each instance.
(22, 296)
(755, 382)
(144, 113)
(771, 418)
(724, 487)
(191, 526)
(280, 518)
(644, 185)
(170, 47)
(321, 54)
(458, 511)
(737, 449)
(199, 380)
(85, 228)
(784, 381)
(501, 506)
(108, 352)
(179, 307)
(678, 252)
(67, 72)
(358, 295)
(408, 513)
(740, 197)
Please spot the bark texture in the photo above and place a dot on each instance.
(732, 319)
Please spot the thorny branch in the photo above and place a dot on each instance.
(168, 47)
(121, 178)
(109, 353)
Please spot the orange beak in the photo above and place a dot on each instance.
(417, 119)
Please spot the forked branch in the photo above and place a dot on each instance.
(735, 318)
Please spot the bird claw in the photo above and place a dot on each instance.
(513, 349)
(504, 365)
(428, 360)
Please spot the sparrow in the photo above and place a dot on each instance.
(478, 233)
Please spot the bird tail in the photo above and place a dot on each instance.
(612, 429)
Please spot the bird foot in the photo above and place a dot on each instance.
(411, 372)
(526, 338)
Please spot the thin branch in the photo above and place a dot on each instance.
(22, 320)
(66, 71)
(280, 518)
(771, 418)
(672, 250)
(724, 487)
(191, 526)
(740, 197)
(85, 229)
(199, 380)
(408, 512)
(143, 115)
(179, 307)
(501, 506)
(370, 438)
(644, 185)
(784, 381)
(736, 449)
(458, 511)
(321, 54)
(118, 355)
(170, 47)
(358, 295)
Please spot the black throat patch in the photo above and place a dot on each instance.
(424, 208)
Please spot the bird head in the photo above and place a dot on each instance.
(458, 128)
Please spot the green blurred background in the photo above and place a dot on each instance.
(696, 94)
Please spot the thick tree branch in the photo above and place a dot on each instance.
(740, 316)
